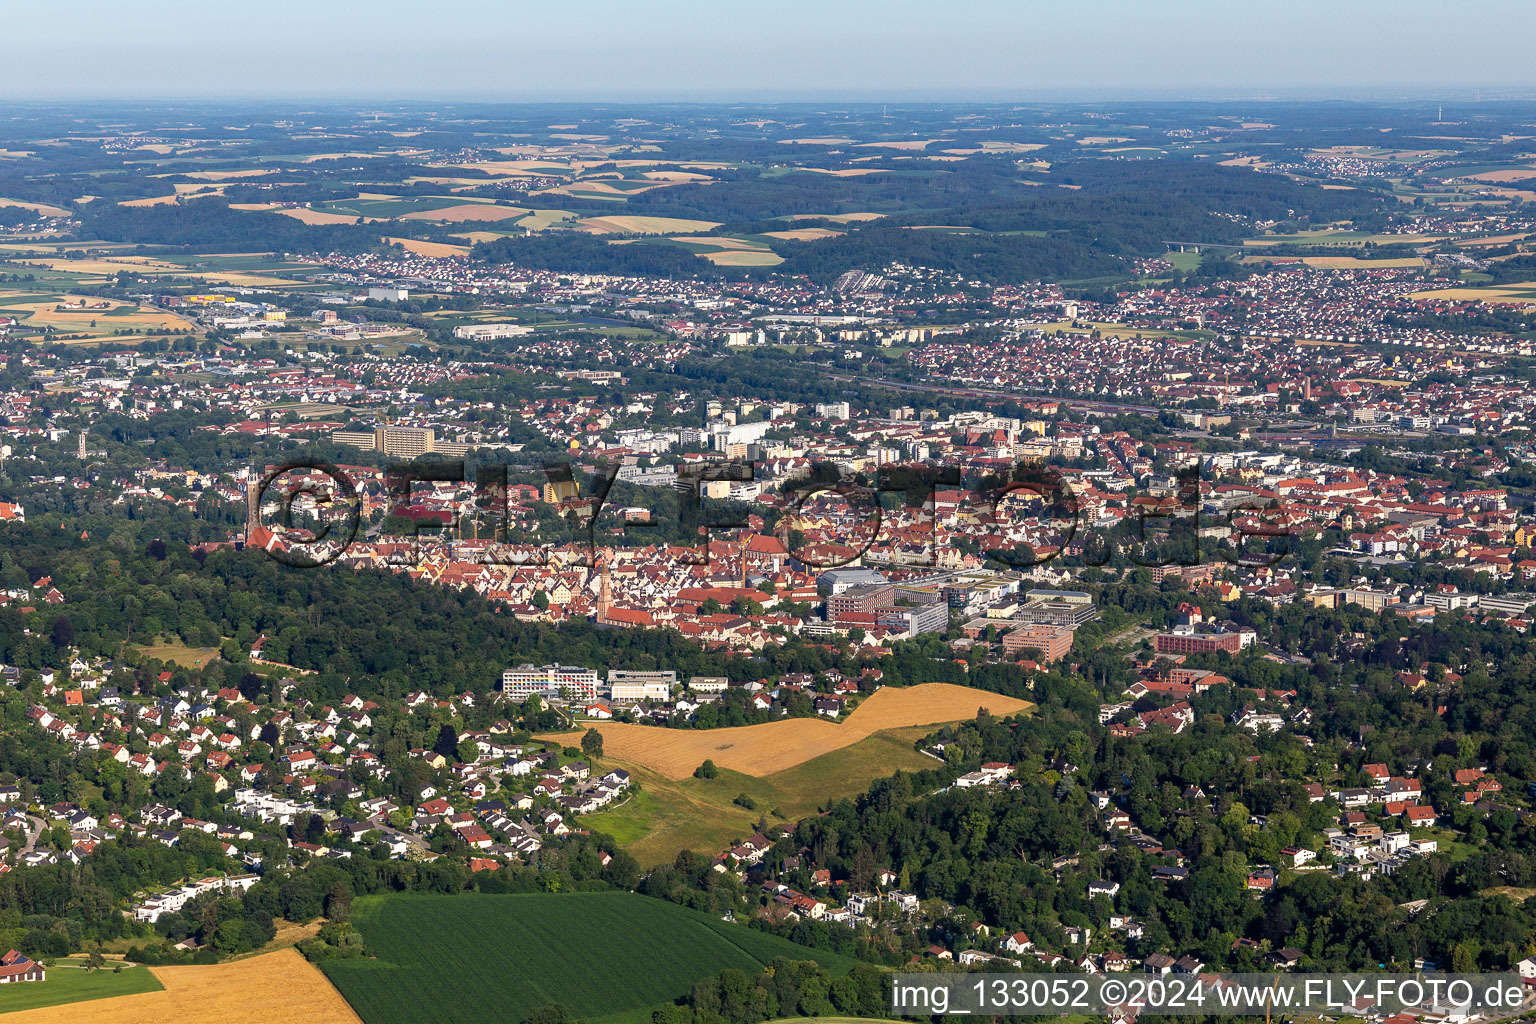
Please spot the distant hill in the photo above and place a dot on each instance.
(475, 958)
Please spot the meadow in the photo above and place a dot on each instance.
(608, 957)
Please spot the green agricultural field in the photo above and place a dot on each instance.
(608, 957)
(68, 983)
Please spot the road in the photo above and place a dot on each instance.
(39, 827)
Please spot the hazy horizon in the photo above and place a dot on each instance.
(688, 51)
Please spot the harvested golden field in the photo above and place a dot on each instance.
(824, 140)
(480, 236)
(668, 815)
(642, 225)
(151, 201)
(434, 250)
(1356, 263)
(722, 242)
(219, 175)
(1514, 174)
(905, 144)
(1522, 294)
(274, 988)
(760, 750)
(39, 208)
(992, 146)
(837, 218)
(467, 212)
(314, 158)
(805, 234)
(102, 314)
(1495, 239)
(675, 176)
(744, 258)
(148, 265)
(538, 220)
(597, 188)
(317, 216)
(843, 172)
(1103, 140)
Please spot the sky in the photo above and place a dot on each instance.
(787, 50)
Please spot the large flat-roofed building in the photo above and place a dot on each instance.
(1064, 596)
(490, 332)
(364, 439)
(402, 442)
(916, 619)
(1053, 642)
(625, 684)
(1197, 643)
(835, 581)
(1055, 613)
(970, 592)
(859, 600)
(406, 442)
(549, 681)
(1512, 604)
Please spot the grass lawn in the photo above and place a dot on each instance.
(69, 984)
(669, 815)
(473, 958)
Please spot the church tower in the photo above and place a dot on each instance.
(80, 445)
(604, 590)
(252, 504)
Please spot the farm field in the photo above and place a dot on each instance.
(274, 988)
(42, 209)
(743, 258)
(666, 815)
(538, 220)
(609, 957)
(619, 224)
(304, 216)
(1339, 262)
(435, 250)
(106, 266)
(69, 983)
(1517, 293)
(760, 750)
(41, 311)
(804, 234)
(465, 213)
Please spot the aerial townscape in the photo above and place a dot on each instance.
(560, 561)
